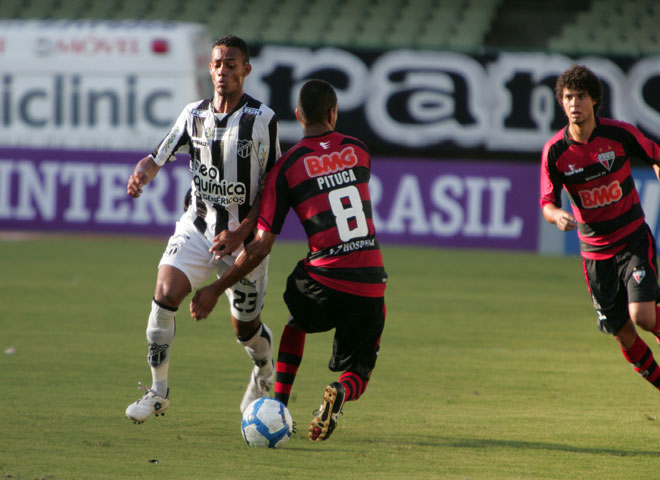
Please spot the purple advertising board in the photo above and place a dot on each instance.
(456, 203)
(437, 203)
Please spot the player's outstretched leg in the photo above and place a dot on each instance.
(160, 335)
(259, 348)
(325, 422)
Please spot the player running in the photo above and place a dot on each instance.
(233, 141)
(590, 159)
(341, 283)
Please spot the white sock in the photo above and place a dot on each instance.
(160, 335)
(260, 349)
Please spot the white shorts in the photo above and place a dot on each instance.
(188, 250)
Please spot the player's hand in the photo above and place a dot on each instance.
(565, 222)
(136, 181)
(226, 242)
(202, 303)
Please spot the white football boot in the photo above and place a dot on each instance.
(259, 386)
(150, 404)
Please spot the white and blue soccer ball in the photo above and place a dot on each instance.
(266, 423)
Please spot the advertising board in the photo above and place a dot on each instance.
(456, 203)
(97, 85)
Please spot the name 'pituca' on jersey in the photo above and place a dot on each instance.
(325, 179)
(228, 156)
(599, 182)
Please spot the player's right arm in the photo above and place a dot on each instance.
(551, 194)
(561, 218)
(176, 140)
(145, 170)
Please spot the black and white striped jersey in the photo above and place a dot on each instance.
(229, 154)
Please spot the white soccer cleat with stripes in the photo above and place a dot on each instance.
(150, 404)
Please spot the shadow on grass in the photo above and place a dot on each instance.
(485, 443)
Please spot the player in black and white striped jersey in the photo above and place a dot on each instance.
(232, 140)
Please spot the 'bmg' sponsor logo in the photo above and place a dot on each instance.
(330, 163)
(601, 196)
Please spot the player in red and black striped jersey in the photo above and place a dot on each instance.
(325, 179)
(341, 283)
(590, 159)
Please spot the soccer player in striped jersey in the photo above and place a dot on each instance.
(232, 140)
(590, 159)
(341, 283)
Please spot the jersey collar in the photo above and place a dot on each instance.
(570, 141)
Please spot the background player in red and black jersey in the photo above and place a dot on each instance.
(590, 159)
(341, 282)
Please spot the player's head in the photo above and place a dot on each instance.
(581, 79)
(234, 41)
(229, 65)
(317, 103)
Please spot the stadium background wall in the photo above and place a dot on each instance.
(456, 137)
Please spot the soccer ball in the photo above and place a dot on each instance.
(266, 423)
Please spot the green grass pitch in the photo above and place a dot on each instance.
(491, 367)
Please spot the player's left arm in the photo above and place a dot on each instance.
(643, 147)
(252, 255)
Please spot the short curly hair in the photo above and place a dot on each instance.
(579, 77)
(234, 41)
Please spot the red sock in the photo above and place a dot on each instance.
(289, 356)
(641, 358)
(354, 384)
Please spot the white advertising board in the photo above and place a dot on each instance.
(98, 84)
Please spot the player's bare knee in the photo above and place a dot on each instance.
(172, 286)
(168, 296)
(246, 330)
(643, 315)
(644, 321)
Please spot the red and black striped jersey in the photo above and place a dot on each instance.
(325, 180)
(597, 176)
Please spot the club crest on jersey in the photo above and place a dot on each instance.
(244, 148)
(607, 159)
(639, 275)
(331, 162)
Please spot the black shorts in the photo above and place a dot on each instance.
(630, 276)
(358, 321)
